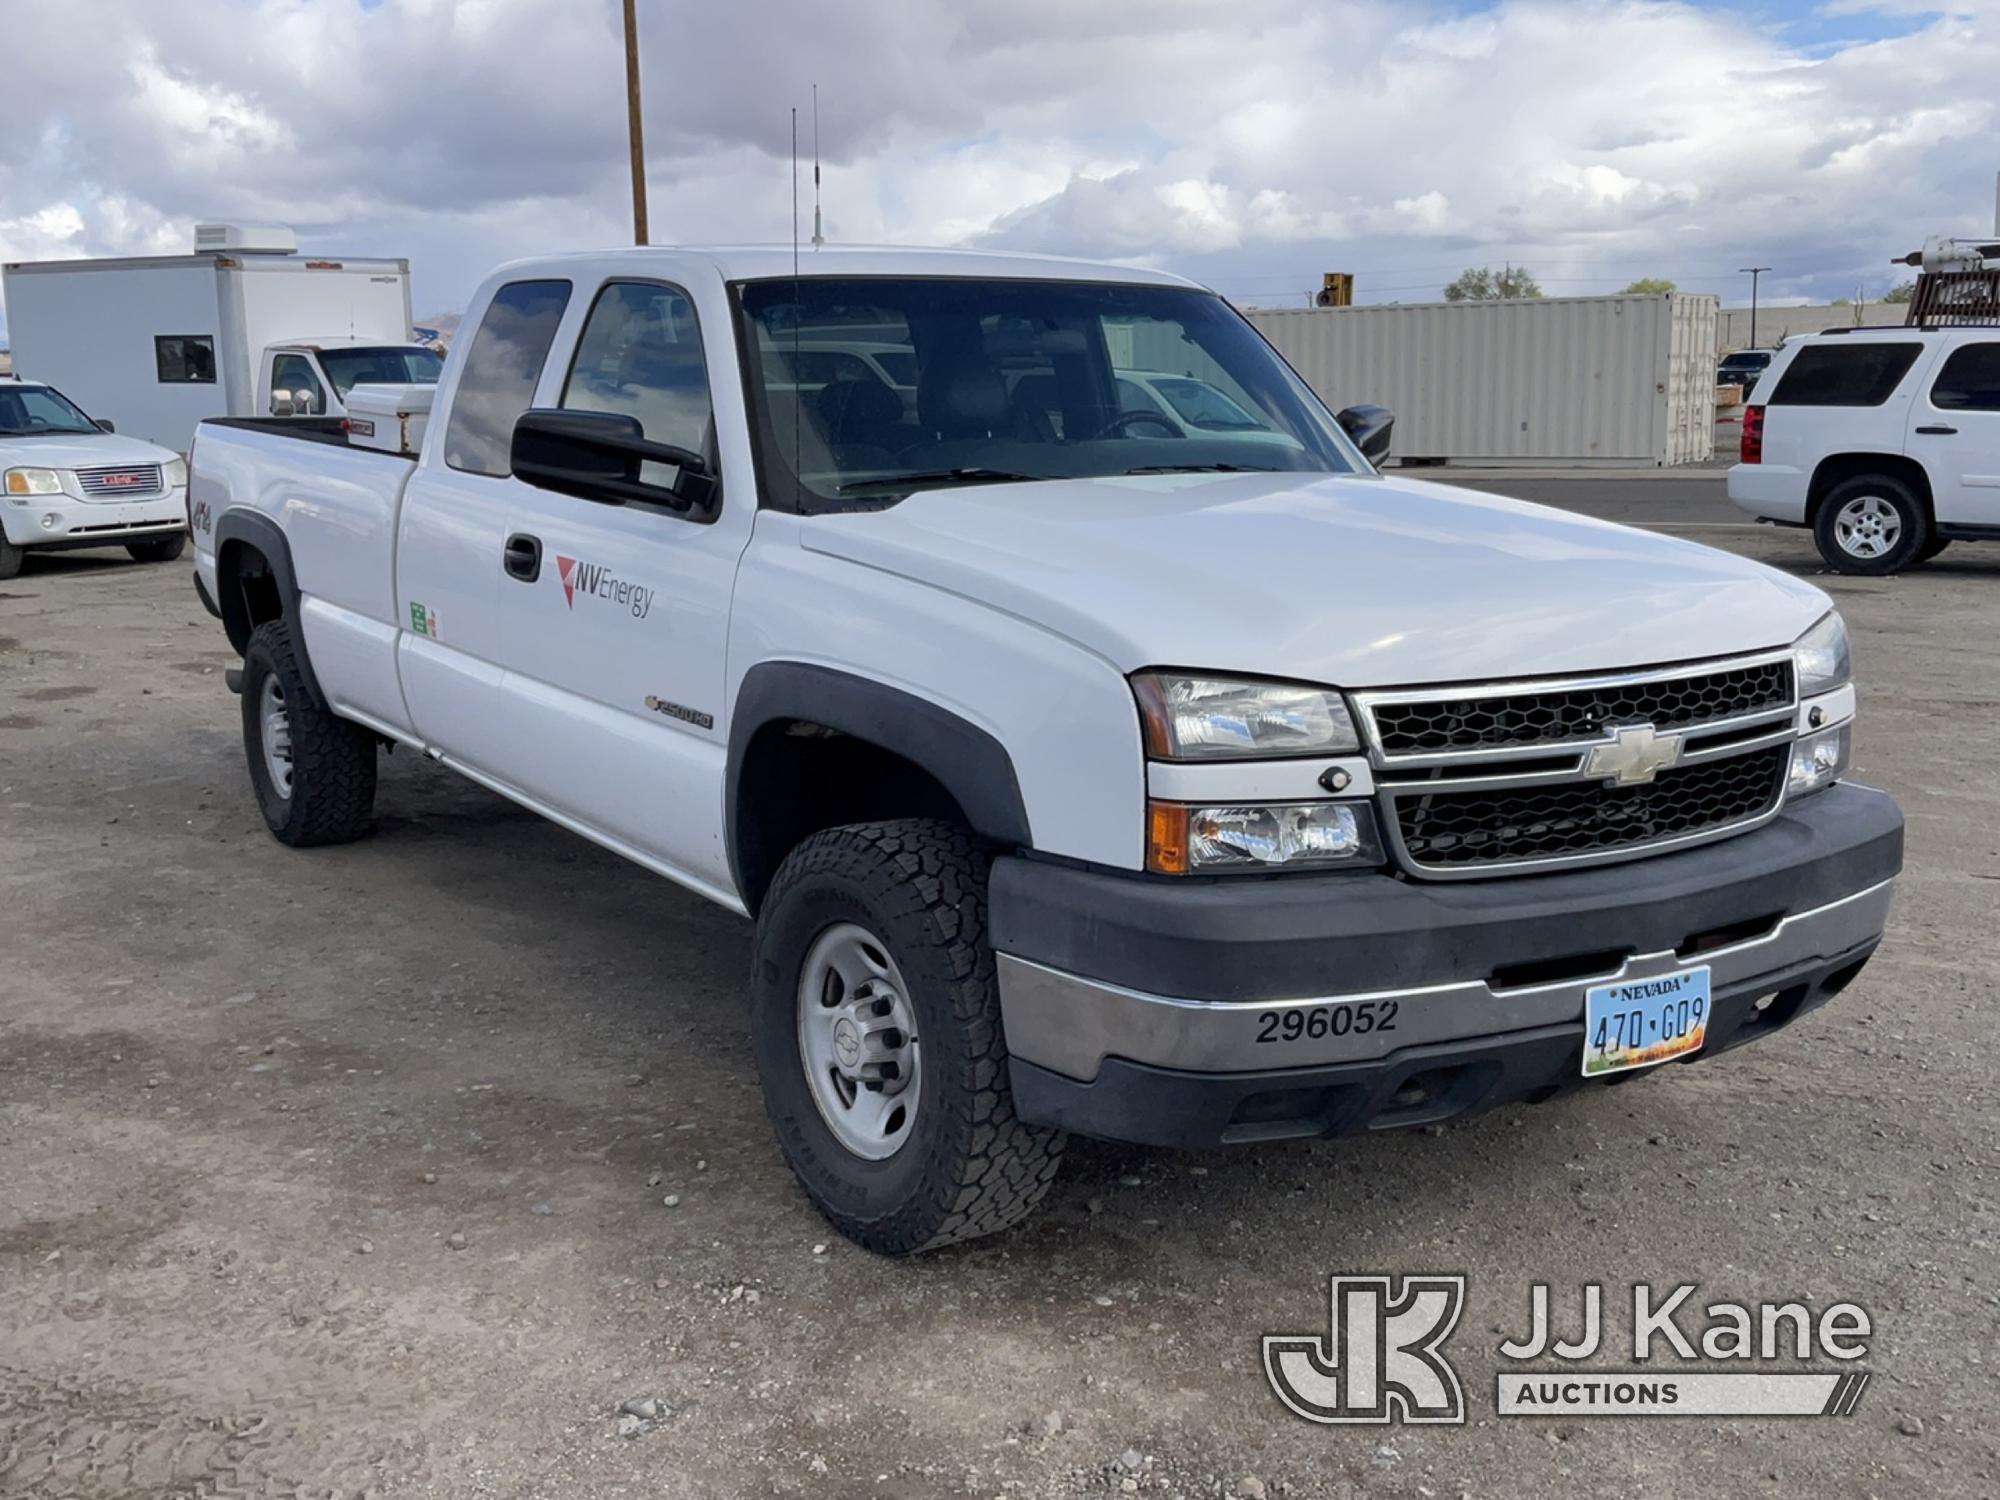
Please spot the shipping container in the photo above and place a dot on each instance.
(1615, 381)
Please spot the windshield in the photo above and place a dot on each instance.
(32, 410)
(867, 389)
(1745, 361)
(347, 368)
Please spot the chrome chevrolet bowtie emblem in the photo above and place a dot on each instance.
(1634, 754)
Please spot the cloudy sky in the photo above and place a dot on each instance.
(1251, 143)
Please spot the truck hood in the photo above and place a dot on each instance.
(1355, 581)
(81, 450)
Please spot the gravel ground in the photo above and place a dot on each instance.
(403, 1167)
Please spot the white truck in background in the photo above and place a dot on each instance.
(243, 326)
(1084, 768)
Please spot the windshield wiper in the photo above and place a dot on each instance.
(969, 475)
(1202, 469)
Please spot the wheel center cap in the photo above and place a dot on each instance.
(846, 1042)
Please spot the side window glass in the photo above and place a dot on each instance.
(501, 368)
(184, 358)
(640, 356)
(1970, 380)
(1845, 373)
(291, 372)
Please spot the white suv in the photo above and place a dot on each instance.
(1885, 441)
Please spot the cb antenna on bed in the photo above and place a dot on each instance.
(818, 238)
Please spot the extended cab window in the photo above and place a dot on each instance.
(501, 368)
(640, 356)
(1845, 374)
(1970, 380)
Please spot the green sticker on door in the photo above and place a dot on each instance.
(423, 621)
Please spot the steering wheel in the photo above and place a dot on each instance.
(1125, 419)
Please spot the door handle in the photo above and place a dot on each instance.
(1937, 430)
(523, 557)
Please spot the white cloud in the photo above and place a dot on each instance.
(1253, 142)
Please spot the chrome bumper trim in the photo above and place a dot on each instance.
(1070, 1024)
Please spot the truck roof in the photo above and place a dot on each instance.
(240, 260)
(774, 262)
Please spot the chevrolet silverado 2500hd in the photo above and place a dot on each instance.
(1083, 768)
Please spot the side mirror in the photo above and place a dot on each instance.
(281, 402)
(104, 424)
(601, 456)
(1369, 427)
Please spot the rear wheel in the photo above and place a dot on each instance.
(166, 549)
(1872, 525)
(876, 1019)
(313, 770)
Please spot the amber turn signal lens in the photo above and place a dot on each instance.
(1166, 838)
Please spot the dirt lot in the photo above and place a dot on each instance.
(249, 1098)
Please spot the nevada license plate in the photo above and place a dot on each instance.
(1640, 1022)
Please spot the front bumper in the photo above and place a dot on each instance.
(64, 521)
(1156, 1011)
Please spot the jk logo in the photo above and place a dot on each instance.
(1380, 1360)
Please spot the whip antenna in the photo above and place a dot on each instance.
(818, 238)
(798, 313)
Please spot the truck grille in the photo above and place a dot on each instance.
(1496, 778)
(1478, 720)
(1472, 830)
(120, 481)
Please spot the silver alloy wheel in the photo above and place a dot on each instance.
(858, 1041)
(277, 737)
(1868, 527)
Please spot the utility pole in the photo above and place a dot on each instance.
(632, 121)
(1753, 272)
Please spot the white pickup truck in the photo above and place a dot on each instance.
(1083, 769)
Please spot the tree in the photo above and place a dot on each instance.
(1484, 284)
(1649, 286)
(1902, 291)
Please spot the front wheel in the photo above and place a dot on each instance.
(11, 558)
(313, 770)
(1872, 525)
(165, 550)
(876, 1019)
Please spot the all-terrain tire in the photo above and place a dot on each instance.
(11, 558)
(1885, 501)
(968, 1166)
(164, 550)
(331, 799)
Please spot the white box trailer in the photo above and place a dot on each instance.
(1621, 381)
(157, 343)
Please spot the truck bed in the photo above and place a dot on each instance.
(308, 429)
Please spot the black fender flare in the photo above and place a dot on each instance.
(966, 760)
(255, 529)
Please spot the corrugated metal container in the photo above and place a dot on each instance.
(1566, 380)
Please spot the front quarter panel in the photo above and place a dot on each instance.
(1064, 714)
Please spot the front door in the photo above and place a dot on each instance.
(568, 650)
(1955, 434)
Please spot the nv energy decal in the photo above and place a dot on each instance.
(588, 580)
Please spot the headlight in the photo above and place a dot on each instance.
(1185, 840)
(177, 473)
(1818, 761)
(34, 482)
(1221, 718)
(1820, 656)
